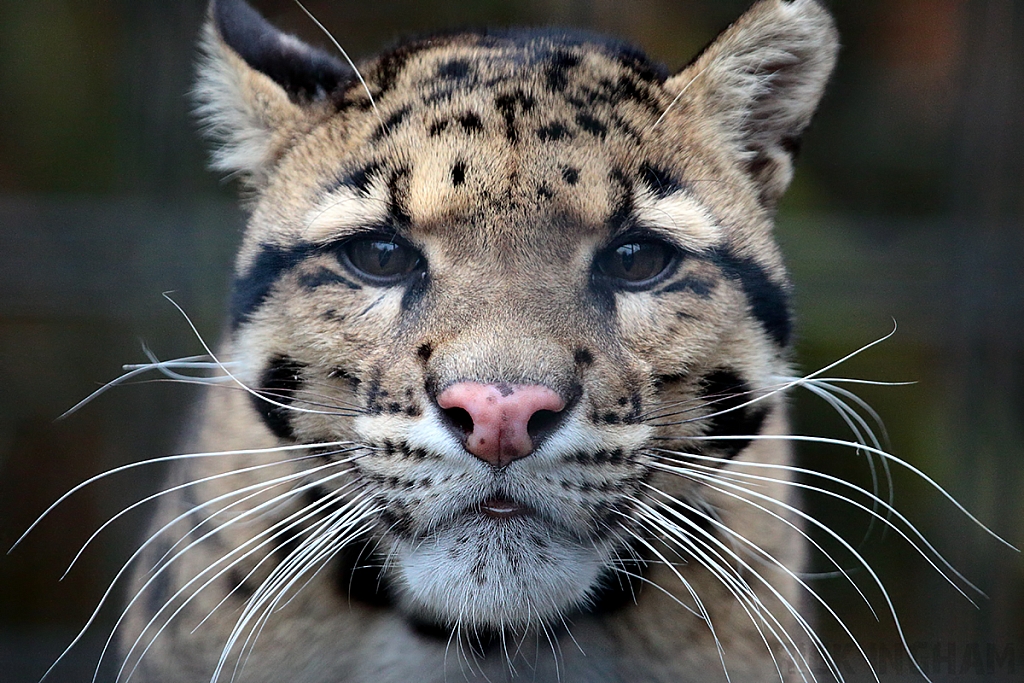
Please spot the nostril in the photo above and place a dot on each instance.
(459, 419)
(542, 423)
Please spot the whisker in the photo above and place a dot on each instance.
(849, 548)
(297, 518)
(692, 467)
(158, 571)
(877, 451)
(787, 384)
(348, 59)
(173, 489)
(701, 609)
(167, 458)
(772, 561)
(135, 370)
(731, 581)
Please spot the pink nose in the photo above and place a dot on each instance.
(500, 416)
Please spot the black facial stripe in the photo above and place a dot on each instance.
(304, 72)
(250, 290)
(325, 276)
(280, 380)
(692, 284)
(725, 391)
(769, 300)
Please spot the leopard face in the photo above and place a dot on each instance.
(505, 270)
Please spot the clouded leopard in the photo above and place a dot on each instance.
(501, 395)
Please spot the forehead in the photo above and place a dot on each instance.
(500, 138)
(519, 122)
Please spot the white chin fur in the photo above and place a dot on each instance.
(496, 573)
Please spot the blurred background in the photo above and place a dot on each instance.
(907, 205)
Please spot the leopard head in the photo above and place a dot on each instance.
(508, 268)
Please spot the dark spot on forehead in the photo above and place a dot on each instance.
(389, 125)
(570, 175)
(360, 178)
(438, 127)
(591, 125)
(624, 202)
(398, 185)
(470, 122)
(554, 131)
(454, 69)
(458, 173)
(509, 105)
(583, 357)
(557, 71)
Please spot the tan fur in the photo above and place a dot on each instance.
(510, 296)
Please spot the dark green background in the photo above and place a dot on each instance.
(907, 205)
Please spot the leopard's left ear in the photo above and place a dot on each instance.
(759, 84)
(256, 87)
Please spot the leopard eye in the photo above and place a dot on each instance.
(380, 260)
(636, 264)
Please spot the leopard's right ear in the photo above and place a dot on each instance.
(257, 85)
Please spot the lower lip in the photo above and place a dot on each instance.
(502, 508)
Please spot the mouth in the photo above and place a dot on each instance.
(498, 507)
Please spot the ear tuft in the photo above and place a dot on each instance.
(760, 82)
(255, 87)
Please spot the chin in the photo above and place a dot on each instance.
(486, 573)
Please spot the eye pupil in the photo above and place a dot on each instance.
(384, 255)
(635, 263)
(626, 253)
(381, 261)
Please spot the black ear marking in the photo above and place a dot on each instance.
(306, 73)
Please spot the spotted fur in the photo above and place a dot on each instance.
(513, 164)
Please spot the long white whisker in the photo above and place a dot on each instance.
(819, 645)
(704, 614)
(240, 552)
(877, 451)
(158, 571)
(168, 458)
(748, 600)
(692, 467)
(849, 548)
(179, 487)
